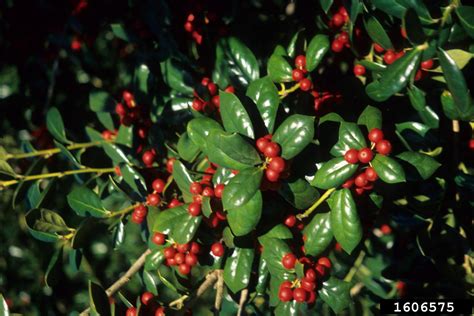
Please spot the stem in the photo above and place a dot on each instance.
(52, 151)
(316, 204)
(134, 268)
(243, 297)
(124, 211)
(219, 290)
(4, 184)
(283, 92)
(355, 267)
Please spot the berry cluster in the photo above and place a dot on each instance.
(338, 20)
(183, 256)
(153, 199)
(207, 98)
(363, 179)
(275, 166)
(304, 289)
(195, 32)
(148, 300)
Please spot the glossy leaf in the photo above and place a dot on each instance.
(371, 118)
(234, 116)
(291, 308)
(317, 49)
(279, 69)
(115, 153)
(230, 150)
(241, 188)
(273, 251)
(413, 27)
(183, 179)
(199, 129)
(299, 193)
(98, 299)
(46, 225)
(154, 260)
(4, 311)
(345, 221)
(336, 294)
(295, 42)
(418, 101)
(121, 32)
(125, 136)
(398, 7)
(101, 101)
(333, 173)
(294, 134)
(134, 180)
(177, 223)
(326, 5)
(350, 136)
(55, 125)
(265, 95)
(176, 77)
(425, 164)
(388, 169)
(263, 277)
(86, 202)
(318, 234)
(377, 33)
(238, 268)
(466, 16)
(243, 219)
(186, 147)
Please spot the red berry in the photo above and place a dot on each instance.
(389, 57)
(183, 248)
(384, 147)
(371, 174)
(131, 311)
(217, 249)
(212, 88)
(308, 285)
(375, 135)
(170, 262)
(348, 184)
(310, 275)
(147, 297)
(290, 220)
(195, 248)
(324, 261)
(300, 62)
(169, 252)
(127, 96)
(174, 203)
(277, 164)
(427, 64)
(288, 261)
(262, 143)
(311, 297)
(216, 101)
(184, 269)
(158, 185)
(305, 84)
(343, 37)
(352, 156)
(120, 109)
(179, 258)
(403, 32)
(188, 26)
(153, 199)
(107, 135)
(361, 180)
(385, 229)
(191, 259)
(169, 164)
(359, 70)
(285, 294)
(471, 144)
(160, 311)
(320, 270)
(286, 284)
(229, 89)
(365, 155)
(197, 105)
(218, 190)
(297, 74)
(299, 295)
(419, 75)
(208, 191)
(359, 191)
(158, 238)
(338, 20)
(272, 175)
(399, 55)
(141, 210)
(137, 219)
(194, 209)
(272, 150)
(195, 188)
(337, 46)
(378, 48)
(197, 199)
(148, 157)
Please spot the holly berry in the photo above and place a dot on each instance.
(262, 143)
(212, 88)
(158, 238)
(120, 109)
(359, 70)
(371, 174)
(385, 229)
(184, 269)
(272, 175)
(141, 210)
(361, 180)
(305, 84)
(375, 135)
(378, 48)
(277, 164)
(195, 188)
(343, 37)
(153, 199)
(427, 64)
(127, 96)
(308, 285)
(310, 275)
(285, 294)
(169, 164)
(352, 156)
(290, 221)
(337, 46)
(158, 185)
(300, 62)
(299, 295)
(174, 203)
(297, 74)
(148, 157)
(216, 100)
(160, 311)
(137, 219)
(131, 311)
(384, 147)
(183, 248)
(348, 184)
(195, 248)
(218, 190)
(179, 258)
(147, 297)
(188, 26)
(194, 209)
(365, 155)
(286, 284)
(217, 249)
(272, 150)
(325, 262)
(389, 57)
(169, 252)
(338, 20)
(191, 259)
(197, 105)
(288, 261)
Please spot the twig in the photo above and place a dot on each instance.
(134, 268)
(219, 290)
(316, 204)
(243, 297)
(211, 278)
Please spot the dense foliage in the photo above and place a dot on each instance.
(236, 157)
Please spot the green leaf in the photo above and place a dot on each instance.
(154, 260)
(134, 179)
(125, 136)
(115, 153)
(177, 223)
(234, 116)
(238, 268)
(278, 231)
(243, 219)
(183, 180)
(377, 32)
(52, 264)
(273, 251)
(106, 120)
(6, 169)
(294, 134)
(333, 173)
(265, 95)
(291, 308)
(86, 202)
(299, 193)
(263, 276)
(425, 164)
(413, 27)
(230, 150)
(326, 5)
(388, 169)
(398, 7)
(241, 188)
(371, 117)
(317, 48)
(460, 57)
(4, 311)
(101, 101)
(176, 77)
(46, 225)
(418, 101)
(350, 136)
(222, 175)
(55, 125)
(279, 69)
(199, 129)
(318, 234)
(466, 16)
(336, 294)
(98, 299)
(121, 32)
(206, 206)
(395, 77)
(296, 41)
(457, 86)
(345, 221)
(186, 148)
(142, 78)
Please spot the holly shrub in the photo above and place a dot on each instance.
(234, 157)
